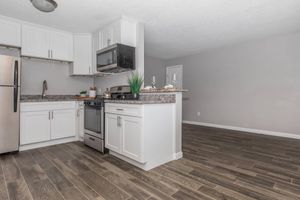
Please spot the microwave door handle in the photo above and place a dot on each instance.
(16, 88)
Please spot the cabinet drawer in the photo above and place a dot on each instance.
(124, 109)
(94, 142)
(40, 106)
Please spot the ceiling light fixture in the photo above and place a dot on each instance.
(44, 5)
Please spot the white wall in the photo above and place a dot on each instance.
(35, 71)
(252, 85)
(155, 67)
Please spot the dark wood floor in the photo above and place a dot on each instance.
(217, 164)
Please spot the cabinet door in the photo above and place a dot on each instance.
(63, 124)
(35, 42)
(112, 133)
(35, 127)
(132, 137)
(116, 32)
(61, 45)
(80, 121)
(82, 54)
(10, 33)
(107, 36)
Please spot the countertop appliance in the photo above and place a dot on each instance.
(94, 123)
(9, 103)
(116, 58)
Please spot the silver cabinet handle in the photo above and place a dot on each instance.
(49, 115)
(119, 121)
(120, 109)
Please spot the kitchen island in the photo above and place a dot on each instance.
(143, 132)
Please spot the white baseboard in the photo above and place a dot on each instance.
(249, 130)
(47, 143)
(178, 155)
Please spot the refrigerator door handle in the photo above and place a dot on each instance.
(16, 88)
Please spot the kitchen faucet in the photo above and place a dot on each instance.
(45, 87)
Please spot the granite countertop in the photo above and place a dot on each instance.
(147, 99)
(138, 101)
(38, 98)
(162, 90)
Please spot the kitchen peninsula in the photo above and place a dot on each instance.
(145, 132)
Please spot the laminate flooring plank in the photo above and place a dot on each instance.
(76, 181)
(16, 185)
(3, 188)
(103, 186)
(38, 182)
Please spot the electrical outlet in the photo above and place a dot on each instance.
(198, 114)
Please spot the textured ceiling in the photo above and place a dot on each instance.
(172, 27)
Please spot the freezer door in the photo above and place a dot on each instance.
(9, 119)
(9, 71)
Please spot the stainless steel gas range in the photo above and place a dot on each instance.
(94, 124)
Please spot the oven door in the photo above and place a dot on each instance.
(93, 120)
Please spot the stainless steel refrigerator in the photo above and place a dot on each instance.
(9, 103)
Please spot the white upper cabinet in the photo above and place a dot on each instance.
(44, 43)
(122, 31)
(61, 46)
(35, 42)
(82, 54)
(10, 33)
(106, 35)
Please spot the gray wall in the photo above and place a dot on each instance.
(34, 71)
(251, 85)
(155, 67)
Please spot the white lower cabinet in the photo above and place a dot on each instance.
(124, 135)
(35, 127)
(63, 124)
(143, 135)
(41, 122)
(113, 133)
(132, 137)
(80, 120)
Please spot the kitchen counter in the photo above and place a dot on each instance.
(162, 90)
(139, 101)
(147, 99)
(38, 98)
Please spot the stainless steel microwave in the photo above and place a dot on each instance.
(116, 58)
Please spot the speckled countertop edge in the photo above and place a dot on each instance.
(49, 98)
(162, 90)
(138, 102)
